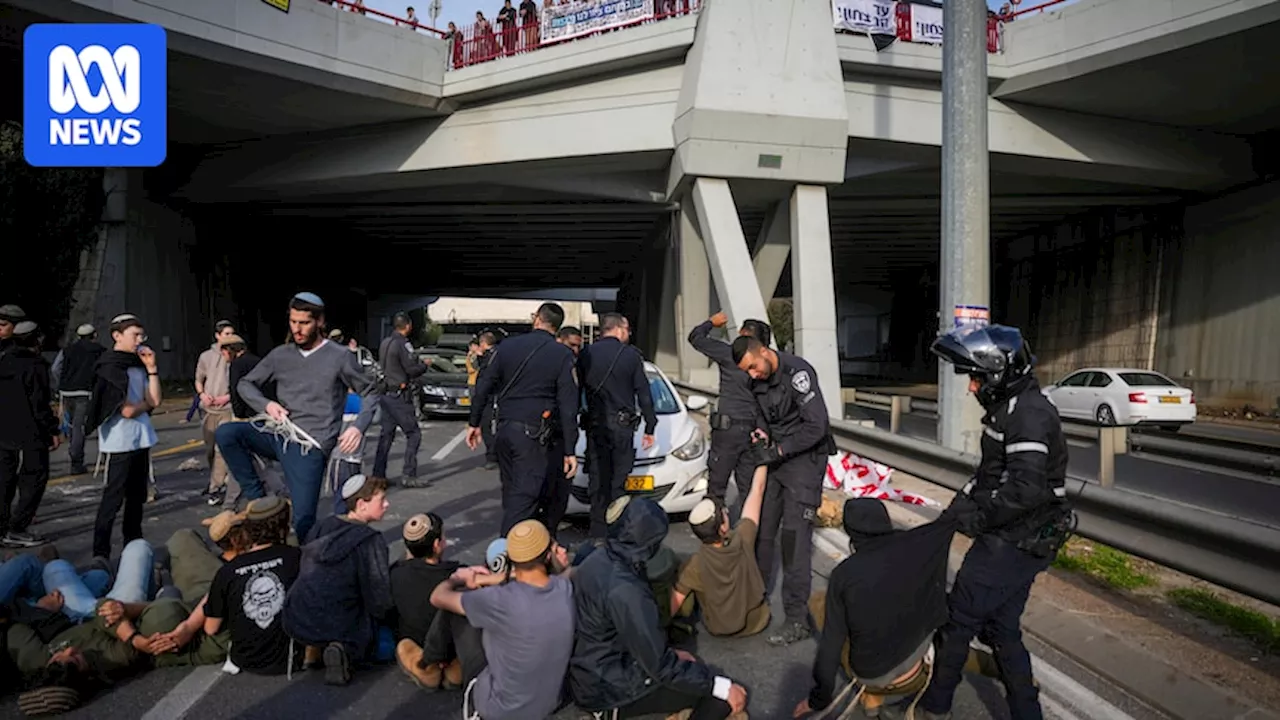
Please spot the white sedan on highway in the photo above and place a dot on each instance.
(673, 472)
(1120, 396)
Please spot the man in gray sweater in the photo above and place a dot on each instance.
(311, 376)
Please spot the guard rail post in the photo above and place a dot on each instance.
(895, 414)
(1112, 441)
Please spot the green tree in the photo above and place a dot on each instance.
(48, 216)
(782, 320)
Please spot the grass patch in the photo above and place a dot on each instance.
(1249, 624)
(1105, 564)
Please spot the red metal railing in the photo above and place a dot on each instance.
(1034, 8)
(350, 6)
(490, 40)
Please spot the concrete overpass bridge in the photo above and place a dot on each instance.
(1130, 155)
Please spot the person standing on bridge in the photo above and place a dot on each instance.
(1015, 508)
(311, 376)
(401, 369)
(530, 383)
(736, 413)
(613, 375)
(795, 419)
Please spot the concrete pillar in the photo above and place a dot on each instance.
(664, 284)
(813, 291)
(693, 302)
(100, 269)
(730, 262)
(772, 249)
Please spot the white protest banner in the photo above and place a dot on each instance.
(561, 22)
(874, 17)
(926, 24)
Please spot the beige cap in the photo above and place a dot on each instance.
(266, 507)
(614, 511)
(416, 527)
(702, 512)
(527, 540)
(232, 339)
(219, 525)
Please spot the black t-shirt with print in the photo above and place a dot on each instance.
(412, 581)
(248, 595)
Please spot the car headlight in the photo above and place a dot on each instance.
(433, 390)
(691, 450)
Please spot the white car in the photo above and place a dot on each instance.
(1120, 396)
(673, 472)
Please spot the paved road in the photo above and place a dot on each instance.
(1256, 500)
(467, 497)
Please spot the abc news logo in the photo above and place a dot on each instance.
(121, 90)
(94, 95)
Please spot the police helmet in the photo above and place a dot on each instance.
(996, 355)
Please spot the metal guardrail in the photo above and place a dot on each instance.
(1228, 551)
(1222, 453)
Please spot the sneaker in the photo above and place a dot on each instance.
(414, 482)
(337, 668)
(791, 633)
(490, 465)
(313, 657)
(217, 496)
(79, 470)
(409, 658)
(14, 538)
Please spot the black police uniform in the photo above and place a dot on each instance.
(400, 368)
(1018, 513)
(614, 384)
(737, 414)
(795, 417)
(530, 382)
(486, 413)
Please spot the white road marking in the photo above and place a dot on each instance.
(443, 452)
(185, 694)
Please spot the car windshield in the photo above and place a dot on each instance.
(664, 402)
(445, 363)
(1146, 379)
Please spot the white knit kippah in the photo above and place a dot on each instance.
(702, 512)
(352, 486)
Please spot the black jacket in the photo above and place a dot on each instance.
(110, 387)
(27, 421)
(613, 380)
(620, 653)
(736, 399)
(78, 362)
(343, 588)
(529, 375)
(398, 362)
(1020, 482)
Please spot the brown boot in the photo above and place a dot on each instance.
(453, 675)
(313, 657)
(409, 657)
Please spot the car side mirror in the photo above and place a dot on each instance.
(697, 402)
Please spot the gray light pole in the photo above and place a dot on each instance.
(966, 245)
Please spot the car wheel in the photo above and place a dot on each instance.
(1106, 417)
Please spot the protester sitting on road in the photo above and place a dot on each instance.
(513, 630)
(28, 579)
(621, 662)
(903, 575)
(723, 576)
(412, 580)
(248, 593)
(343, 594)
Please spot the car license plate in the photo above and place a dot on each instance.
(464, 401)
(639, 483)
(1171, 400)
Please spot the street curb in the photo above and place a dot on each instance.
(1142, 674)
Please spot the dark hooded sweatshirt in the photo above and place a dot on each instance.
(110, 387)
(27, 422)
(620, 653)
(885, 598)
(343, 588)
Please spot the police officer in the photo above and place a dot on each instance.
(795, 419)
(400, 370)
(530, 382)
(613, 384)
(736, 412)
(1015, 508)
(486, 341)
(555, 495)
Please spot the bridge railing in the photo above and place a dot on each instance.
(1229, 551)
(556, 25)
(350, 6)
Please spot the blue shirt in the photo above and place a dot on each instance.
(121, 434)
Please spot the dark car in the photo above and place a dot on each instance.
(444, 386)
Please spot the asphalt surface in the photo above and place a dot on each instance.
(468, 498)
(1232, 494)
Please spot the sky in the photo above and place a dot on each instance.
(463, 12)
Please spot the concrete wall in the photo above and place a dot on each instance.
(1221, 301)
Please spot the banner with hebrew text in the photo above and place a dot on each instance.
(561, 22)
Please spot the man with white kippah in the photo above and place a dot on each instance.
(311, 376)
(75, 373)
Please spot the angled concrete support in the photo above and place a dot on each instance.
(813, 291)
(693, 302)
(772, 249)
(730, 262)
